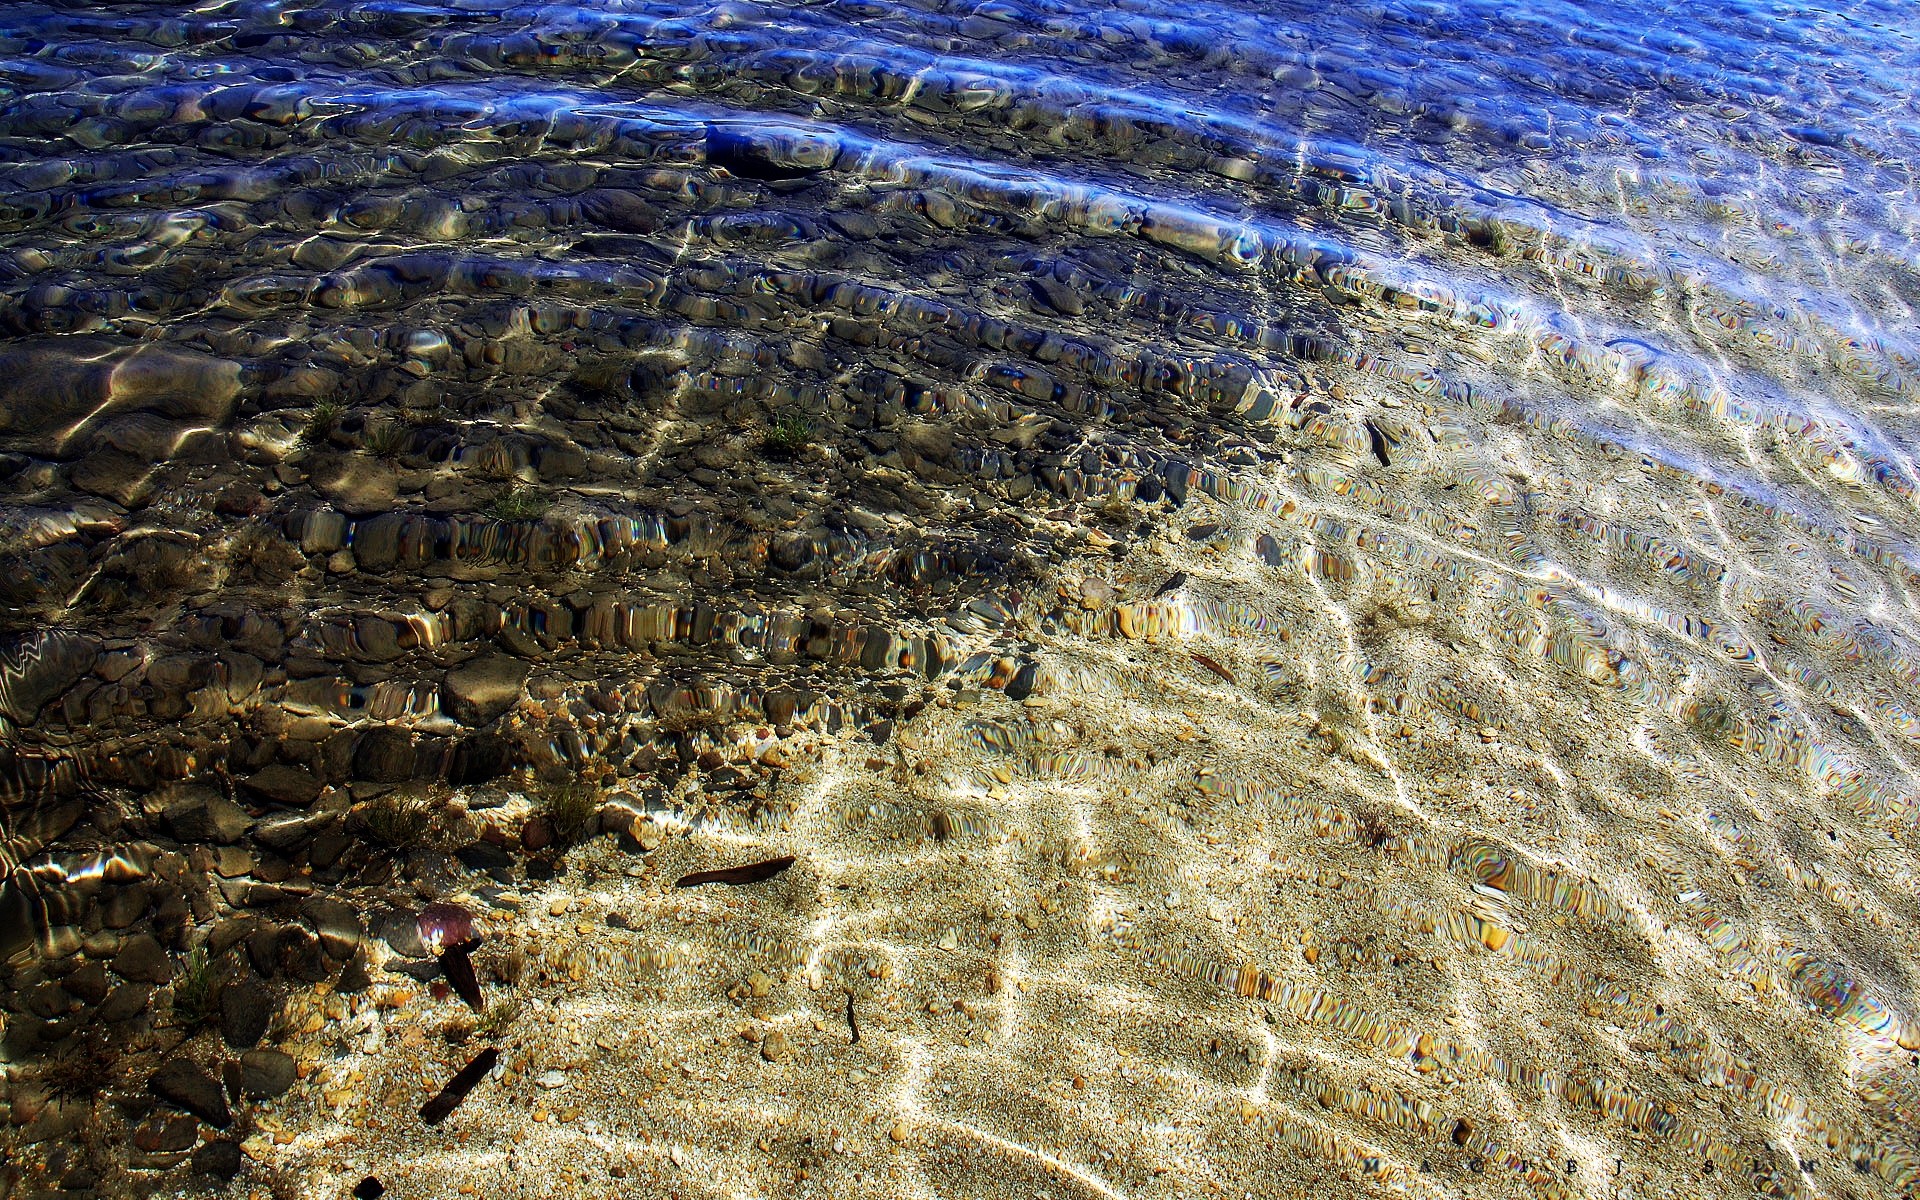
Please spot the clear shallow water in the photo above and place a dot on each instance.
(397, 392)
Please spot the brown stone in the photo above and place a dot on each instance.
(478, 692)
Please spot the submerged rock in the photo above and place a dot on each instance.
(186, 1085)
(478, 692)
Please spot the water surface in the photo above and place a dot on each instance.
(1340, 574)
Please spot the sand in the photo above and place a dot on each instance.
(1213, 911)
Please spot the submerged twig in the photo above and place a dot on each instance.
(457, 962)
(750, 873)
(441, 1107)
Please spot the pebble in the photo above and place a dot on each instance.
(775, 1047)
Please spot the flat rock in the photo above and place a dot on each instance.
(478, 692)
(291, 786)
(204, 815)
(36, 668)
(116, 476)
(167, 1135)
(336, 923)
(126, 1002)
(626, 211)
(55, 392)
(359, 487)
(265, 1074)
(185, 1085)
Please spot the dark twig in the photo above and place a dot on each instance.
(441, 1107)
(750, 873)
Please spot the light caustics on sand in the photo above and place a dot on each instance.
(1324, 597)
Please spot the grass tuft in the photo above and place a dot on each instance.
(194, 989)
(401, 819)
(787, 434)
(388, 439)
(499, 1015)
(572, 809)
(519, 502)
(322, 421)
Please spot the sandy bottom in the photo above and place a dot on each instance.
(1219, 909)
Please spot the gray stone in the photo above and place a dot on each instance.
(185, 1085)
(265, 1074)
(478, 692)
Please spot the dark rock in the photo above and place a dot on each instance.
(768, 153)
(55, 391)
(289, 786)
(126, 1002)
(88, 983)
(484, 856)
(219, 1159)
(383, 756)
(115, 476)
(246, 1008)
(301, 956)
(616, 208)
(185, 1085)
(1021, 685)
(47, 999)
(230, 933)
(265, 1074)
(122, 906)
(287, 832)
(165, 1135)
(59, 1121)
(328, 847)
(337, 925)
(478, 692)
(204, 815)
(1176, 481)
(401, 932)
(263, 950)
(354, 977)
(479, 759)
(536, 835)
(369, 1189)
(141, 959)
(36, 668)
